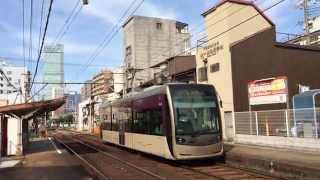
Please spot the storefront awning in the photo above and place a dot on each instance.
(28, 110)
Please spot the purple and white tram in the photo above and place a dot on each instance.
(174, 121)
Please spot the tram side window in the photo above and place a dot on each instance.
(107, 118)
(125, 117)
(114, 122)
(155, 122)
(148, 122)
(140, 123)
(128, 121)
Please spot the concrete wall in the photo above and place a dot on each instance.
(14, 146)
(280, 142)
(118, 79)
(150, 45)
(80, 124)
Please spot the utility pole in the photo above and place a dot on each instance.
(306, 21)
(27, 86)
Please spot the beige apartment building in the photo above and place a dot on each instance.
(227, 23)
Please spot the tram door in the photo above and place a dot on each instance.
(121, 132)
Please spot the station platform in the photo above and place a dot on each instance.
(45, 160)
(286, 163)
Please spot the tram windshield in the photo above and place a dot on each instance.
(196, 110)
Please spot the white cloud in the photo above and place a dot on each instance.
(76, 49)
(110, 11)
(152, 10)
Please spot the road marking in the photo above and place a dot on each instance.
(54, 145)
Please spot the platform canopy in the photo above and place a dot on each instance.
(29, 110)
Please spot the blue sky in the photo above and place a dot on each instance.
(97, 18)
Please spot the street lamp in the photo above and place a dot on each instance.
(85, 2)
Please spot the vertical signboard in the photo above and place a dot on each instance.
(268, 91)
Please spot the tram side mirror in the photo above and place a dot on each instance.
(220, 104)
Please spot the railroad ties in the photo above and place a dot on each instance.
(107, 161)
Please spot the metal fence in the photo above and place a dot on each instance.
(304, 123)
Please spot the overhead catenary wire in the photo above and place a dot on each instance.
(41, 22)
(203, 30)
(231, 28)
(246, 20)
(23, 35)
(68, 22)
(209, 26)
(72, 83)
(109, 36)
(30, 32)
(42, 43)
(67, 64)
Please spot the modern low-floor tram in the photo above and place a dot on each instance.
(174, 121)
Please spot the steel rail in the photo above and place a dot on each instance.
(249, 172)
(252, 171)
(85, 161)
(120, 160)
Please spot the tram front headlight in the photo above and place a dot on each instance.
(180, 140)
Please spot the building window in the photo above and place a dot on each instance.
(1, 78)
(128, 50)
(1, 91)
(9, 72)
(215, 67)
(202, 74)
(159, 25)
(1, 85)
(9, 91)
(9, 78)
(314, 38)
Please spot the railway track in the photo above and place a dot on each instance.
(104, 165)
(163, 169)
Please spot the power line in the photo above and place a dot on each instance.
(40, 30)
(199, 32)
(70, 19)
(112, 34)
(233, 27)
(208, 27)
(30, 31)
(23, 38)
(246, 20)
(43, 40)
(71, 83)
(68, 64)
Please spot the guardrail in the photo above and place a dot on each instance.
(300, 123)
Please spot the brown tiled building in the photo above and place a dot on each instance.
(260, 56)
(176, 69)
(102, 83)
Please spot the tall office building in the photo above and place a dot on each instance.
(148, 41)
(53, 57)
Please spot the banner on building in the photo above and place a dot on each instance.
(268, 91)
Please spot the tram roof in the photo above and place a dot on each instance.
(153, 90)
(147, 92)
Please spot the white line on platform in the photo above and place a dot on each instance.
(54, 145)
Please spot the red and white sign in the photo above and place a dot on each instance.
(268, 91)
